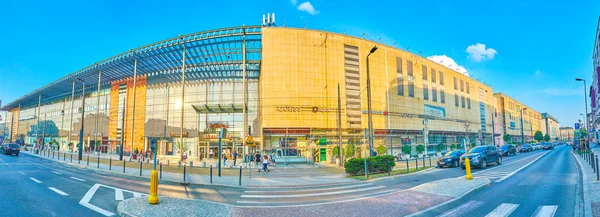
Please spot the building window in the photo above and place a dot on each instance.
(442, 95)
(469, 102)
(433, 75)
(462, 101)
(468, 89)
(441, 78)
(425, 92)
(455, 84)
(433, 93)
(411, 84)
(399, 77)
(456, 99)
(462, 86)
(424, 71)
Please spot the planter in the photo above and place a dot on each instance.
(406, 156)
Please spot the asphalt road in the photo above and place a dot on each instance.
(549, 187)
(79, 192)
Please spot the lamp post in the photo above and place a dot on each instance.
(80, 146)
(369, 115)
(586, 106)
(522, 135)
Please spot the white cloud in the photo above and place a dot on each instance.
(478, 52)
(306, 6)
(294, 2)
(449, 63)
(538, 73)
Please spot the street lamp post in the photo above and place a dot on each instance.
(522, 135)
(369, 115)
(80, 145)
(586, 106)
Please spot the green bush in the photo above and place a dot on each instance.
(441, 147)
(406, 149)
(420, 149)
(377, 164)
(381, 150)
(452, 146)
(355, 166)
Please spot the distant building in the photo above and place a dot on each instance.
(594, 93)
(566, 133)
(550, 126)
(509, 111)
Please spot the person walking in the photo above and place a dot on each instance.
(235, 155)
(266, 163)
(257, 160)
(272, 158)
(224, 160)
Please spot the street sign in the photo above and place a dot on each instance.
(424, 122)
(249, 140)
(153, 144)
(577, 126)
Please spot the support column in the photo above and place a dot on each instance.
(134, 99)
(244, 96)
(37, 119)
(80, 146)
(97, 111)
(71, 111)
(182, 100)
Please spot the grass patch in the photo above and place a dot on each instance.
(393, 173)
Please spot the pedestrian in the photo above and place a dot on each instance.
(257, 160)
(224, 160)
(266, 163)
(272, 158)
(235, 155)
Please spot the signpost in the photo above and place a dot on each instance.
(153, 198)
(222, 135)
(425, 134)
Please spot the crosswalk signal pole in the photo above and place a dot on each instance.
(153, 199)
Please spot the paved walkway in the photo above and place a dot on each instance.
(399, 203)
(592, 194)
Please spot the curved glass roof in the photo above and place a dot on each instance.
(210, 55)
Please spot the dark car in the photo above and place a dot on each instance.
(10, 148)
(507, 150)
(481, 156)
(450, 159)
(548, 146)
(526, 148)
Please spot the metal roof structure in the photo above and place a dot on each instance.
(210, 55)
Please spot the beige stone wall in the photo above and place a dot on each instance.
(509, 107)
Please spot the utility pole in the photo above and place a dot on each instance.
(80, 146)
(369, 115)
(339, 111)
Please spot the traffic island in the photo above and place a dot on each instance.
(169, 206)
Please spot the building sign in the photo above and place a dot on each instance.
(406, 141)
(435, 111)
(302, 108)
(177, 134)
(218, 125)
(512, 125)
(577, 126)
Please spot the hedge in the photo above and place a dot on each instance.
(377, 164)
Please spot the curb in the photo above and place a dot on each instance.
(587, 205)
(123, 213)
(400, 175)
(451, 200)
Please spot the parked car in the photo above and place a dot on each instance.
(450, 159)
(481, 156)
(548, 146)
(10, 148)
(507, 150)
(526, 148)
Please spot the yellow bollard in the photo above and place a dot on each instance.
(153, 199)
(469, 176)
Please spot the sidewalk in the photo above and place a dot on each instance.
(250, 178)
(591, 185)
(399, 203)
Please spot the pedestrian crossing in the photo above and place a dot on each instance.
(472, 208)
(312, 195)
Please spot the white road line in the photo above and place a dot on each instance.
(58, 191)
(545, 211)
(503, 210)
(313, 189)
(85, 201)
(35, 180)
(137, 194)
(523, 167)
(78, 179)
(462, 209)
(118, 194)
(57, 173)
(22, 173)
(377, 194)
(312, 195)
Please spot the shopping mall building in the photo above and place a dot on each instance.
(292, 90)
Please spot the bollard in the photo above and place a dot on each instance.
(424, 161)
(249, 170)
(168, 162)
(191, 163)
(183, 173)
(210, 173)
(179, 163)
(124, 165)
(153, 198)
(52, 154)
(407, 169)
(592, 161)
(417, 163)
(597, 173)
(64, 156)
(469, 176)
(88, 160)
(98, 162)
(110, 164)
(240, 175)
(71, 157)
(204, 164)
(429, 161)
(141, 162)
(160, 171)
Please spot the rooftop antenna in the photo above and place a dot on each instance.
(394, 45)
(305, 25)
(408, 48)
(273, 21)
(363, 35)
(263, 21)
(268, 19)
(345, 31)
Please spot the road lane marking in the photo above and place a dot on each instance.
(57, 173)
(503, 210)
(78, 179)
(35, 180)
(312, 195)
(313, 189)
(523, 167)
(22, 173)
(545, 211)
(58, 191)
(136, 194)
(462, 209)
(85, 201)
(359, 197)
(119, 194)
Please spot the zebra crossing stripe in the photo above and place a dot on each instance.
(462, 209)
(545, 211)
(503, 210)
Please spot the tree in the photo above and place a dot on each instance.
(556, 139)
(441, 147)
(506, 137)
(182, 148)
(420, 149)
(538, 136)
(582, 132)
(335, 152)
(406, 149)
(381, 150)
(452, 146)
(349, 151)
(546, 137)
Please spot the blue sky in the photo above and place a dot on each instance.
(540, 46)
